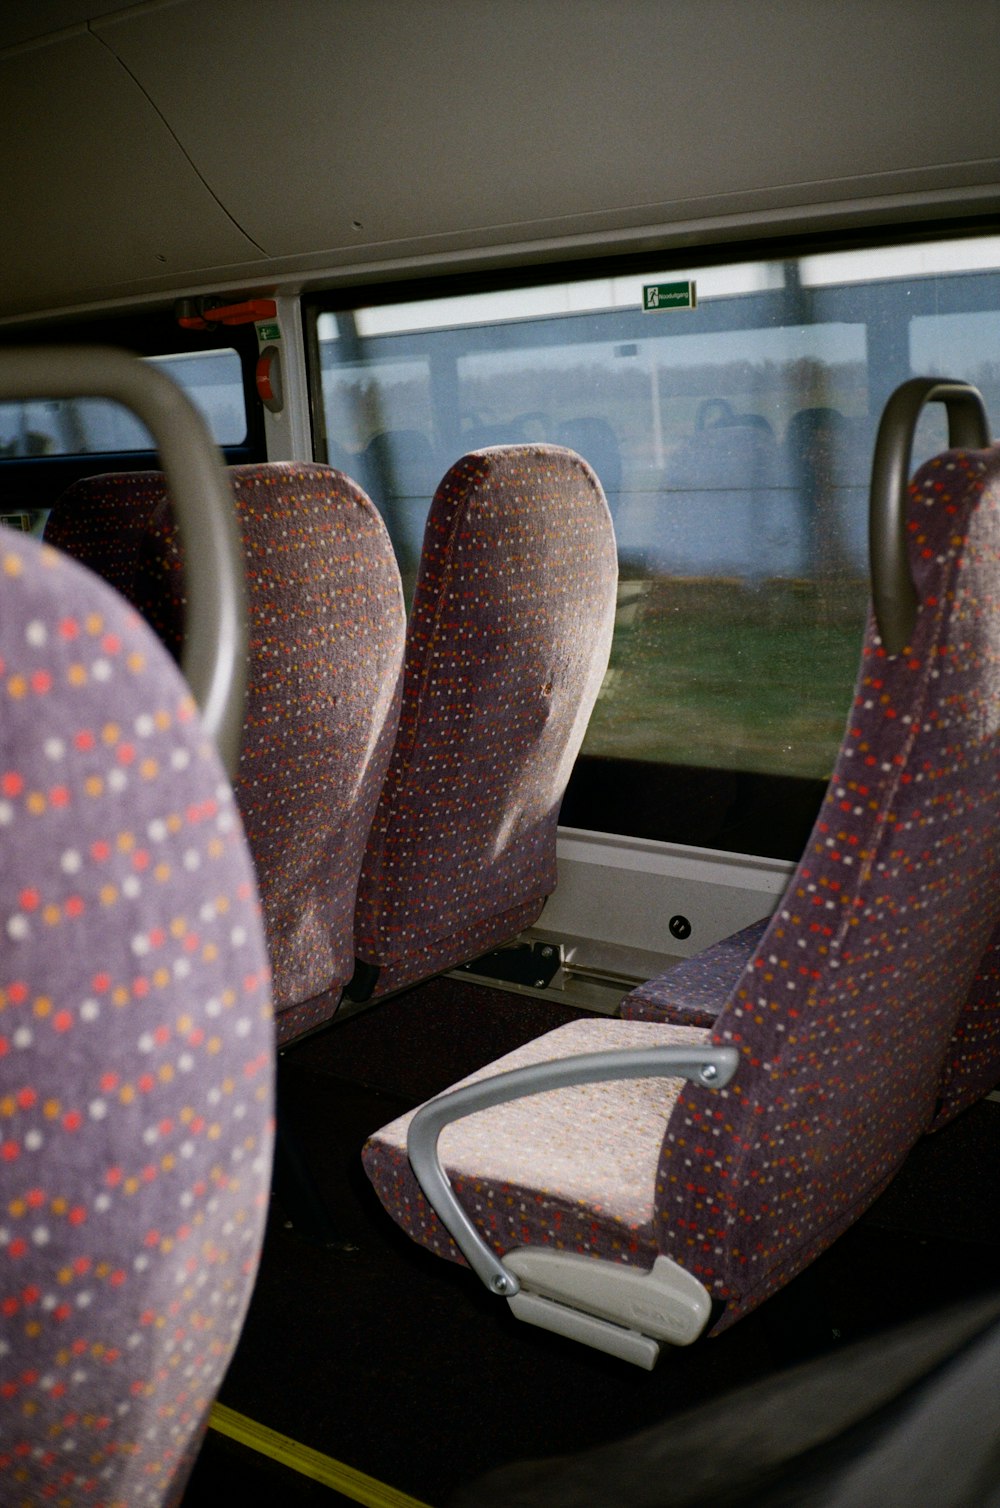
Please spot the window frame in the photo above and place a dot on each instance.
(31, 484)
(761, 813)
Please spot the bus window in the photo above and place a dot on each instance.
(213, 381)
(734, 441)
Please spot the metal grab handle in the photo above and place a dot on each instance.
(894, 598)
(216, 638)
(710, 1066)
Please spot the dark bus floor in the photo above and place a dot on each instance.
(403, 1367)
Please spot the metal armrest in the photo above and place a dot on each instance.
(709, 1066)
(894, 597)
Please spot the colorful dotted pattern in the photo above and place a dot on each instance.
(136, 1052)
(518, 1170)
(327, 625)
(972, 1064)
(102, 520)
(507, 647)
(693, 993)
(848, 1008)
(844, 1017)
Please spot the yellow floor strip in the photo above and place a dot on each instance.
(308, 1462)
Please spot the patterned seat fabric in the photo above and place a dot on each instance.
(693, 993)
(136, 1051)
(508, 643)
(102, 520)
(972, 1064)
(326, 651)
(517, 1168)
(846, 1014)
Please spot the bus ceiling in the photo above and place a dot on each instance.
(152, 150)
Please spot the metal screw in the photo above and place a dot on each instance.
(539, 984)
(709, 1073)
(547, 952)
(500, 1284)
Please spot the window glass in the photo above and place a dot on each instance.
(213, 380)
(733, 439)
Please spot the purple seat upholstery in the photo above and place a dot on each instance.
(501, 1161)
(102, 520)
(507, 646)
(693, 993)
(326, 652)
(972, 1064)
(845, 1016)
(136, 1051)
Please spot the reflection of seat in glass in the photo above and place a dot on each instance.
(399, 472)
(723, 512)
(594, 439)
(827, 456)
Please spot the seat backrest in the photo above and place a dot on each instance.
(844, 1015)
(101, 521)
(136, 1050)
(507, 647)
(326, 652)
(972, 1064)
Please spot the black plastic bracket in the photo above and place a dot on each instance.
(362, 982)
(532, 964)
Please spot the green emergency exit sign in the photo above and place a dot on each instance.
(657, 297)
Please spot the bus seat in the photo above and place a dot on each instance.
(972, 1066)
(507, 646)
(326, 634)
(136, 1050)
(696, 990)
(101, 521)
(843, 1018)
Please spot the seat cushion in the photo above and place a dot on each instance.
(574, 1169)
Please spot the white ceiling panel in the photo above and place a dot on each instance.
(175, 144)
(330, 123)
(96, 190)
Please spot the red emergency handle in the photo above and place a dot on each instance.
(245, 313)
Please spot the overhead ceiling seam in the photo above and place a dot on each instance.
(180, 145)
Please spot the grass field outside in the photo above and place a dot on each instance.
(731, 675)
